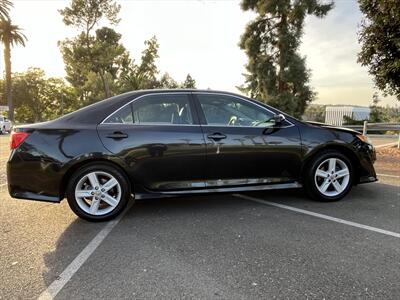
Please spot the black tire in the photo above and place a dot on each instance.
(309, 181)
(98, 167)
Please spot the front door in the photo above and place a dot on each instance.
(160, 140)
(244, 145)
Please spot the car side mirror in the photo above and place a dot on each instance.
(279, 118)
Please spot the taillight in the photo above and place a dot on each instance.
(17, 138)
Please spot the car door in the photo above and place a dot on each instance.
(160, 140)
(244, 144)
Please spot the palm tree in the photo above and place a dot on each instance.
(10, 35)
(5, 8)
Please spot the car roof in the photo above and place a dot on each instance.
(95, 113)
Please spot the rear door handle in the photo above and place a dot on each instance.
(117, 135)
(216, 136)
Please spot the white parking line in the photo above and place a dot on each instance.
(56, 286)
(387, 175)
(386, 145)
(310, 213)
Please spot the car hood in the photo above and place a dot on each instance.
(323, 125)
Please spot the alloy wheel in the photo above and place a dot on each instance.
(332, 177)
(98, 193)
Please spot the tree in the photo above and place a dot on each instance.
(315, 113)
(276, 73)
(189, 82)
(106, 55)
(144, 74)
(167, 82)
(10, 35)
(38, 98)
(88, 53)
(375, 116)
(380, 43)
(86, 14)
(148, 67)
(5, 6)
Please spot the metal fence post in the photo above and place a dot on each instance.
(398, 142)
(365, 128)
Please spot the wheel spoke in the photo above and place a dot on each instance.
(337, 186)
(109, 184)
(83, 194)
(94, 207)
(110, 200)
(342, 173)
(325, 185)
(321, 173)
(332, 165)
(93, 179)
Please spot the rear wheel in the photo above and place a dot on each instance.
(329, 176)
(98, 192)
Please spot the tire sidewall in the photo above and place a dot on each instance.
(102, 167)
(310, 175)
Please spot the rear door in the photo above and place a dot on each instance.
(160, 140)
(244, 145)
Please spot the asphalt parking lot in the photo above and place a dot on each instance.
(262, 245)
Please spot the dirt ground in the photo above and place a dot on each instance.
(388, 161)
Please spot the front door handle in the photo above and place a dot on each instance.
(216, 136)
(117, 135)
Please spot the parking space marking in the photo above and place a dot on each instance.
(386, 145)
(321, 216)
(55, 287)
(387, 175)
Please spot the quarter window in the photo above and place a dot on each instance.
(122, 116)
(221, 110)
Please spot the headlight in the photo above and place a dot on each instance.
(364, 138)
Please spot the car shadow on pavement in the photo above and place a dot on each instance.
(71, 242)
(80, 232)
(187, 211)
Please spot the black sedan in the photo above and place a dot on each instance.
(160, 143)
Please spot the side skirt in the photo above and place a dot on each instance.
(280, 186)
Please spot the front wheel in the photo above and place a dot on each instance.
(98, 192)
(329, 177)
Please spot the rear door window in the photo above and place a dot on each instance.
(163, 109)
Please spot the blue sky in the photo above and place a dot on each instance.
(201, 37)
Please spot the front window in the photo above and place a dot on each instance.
(221, 110)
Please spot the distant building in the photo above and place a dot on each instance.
(334, 115)
(3, 108)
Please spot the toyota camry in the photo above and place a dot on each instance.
(162, 143)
